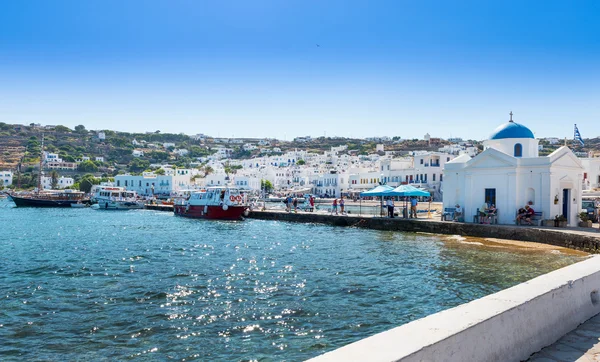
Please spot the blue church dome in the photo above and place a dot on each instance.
(511, 130)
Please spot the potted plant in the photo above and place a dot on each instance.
(585, 220)
(560, 221)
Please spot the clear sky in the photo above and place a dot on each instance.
(287, 68)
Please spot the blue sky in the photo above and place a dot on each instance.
(293, 68)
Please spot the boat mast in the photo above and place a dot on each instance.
(41, 160)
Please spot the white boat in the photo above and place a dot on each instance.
(78, 205)
(116, 198)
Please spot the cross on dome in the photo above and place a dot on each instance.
(511, 114)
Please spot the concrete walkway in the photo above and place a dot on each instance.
(582, 345)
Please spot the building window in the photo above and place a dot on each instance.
(441, 177)
(518, 150)
(421, 161)
(125, 183)
(118, 183)
(490, 196)
(433, 177)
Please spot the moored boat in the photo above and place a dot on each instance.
(116, 198)
(220, 202)
(49, 198)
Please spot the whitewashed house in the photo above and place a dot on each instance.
(510, 174)
(137, 153)
(61, 183)
(6, 178)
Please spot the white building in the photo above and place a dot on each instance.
(6, 178)
(101, 136)
(137, 153)
(168, 144)
(181, 151)
(62, 182)
(510, 174)
(51, 157)
(149, 184)
(99, 158)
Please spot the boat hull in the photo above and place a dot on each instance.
(33, 202)
(119, 205)
(213, 212)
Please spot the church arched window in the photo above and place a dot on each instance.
(518, 150)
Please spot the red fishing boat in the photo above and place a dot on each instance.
(220, 202)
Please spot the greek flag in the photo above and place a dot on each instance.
(577, 136)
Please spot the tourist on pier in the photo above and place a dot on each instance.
(458, 213)
(334, 207)
(286, 200)
(295, 203)
(413, 207)
(311, 200)
(390, 205)
(342, 205)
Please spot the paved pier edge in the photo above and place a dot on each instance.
(583, 241)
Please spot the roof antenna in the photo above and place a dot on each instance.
(511, 120)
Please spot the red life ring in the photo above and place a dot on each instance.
(238, 198)
(232, 198)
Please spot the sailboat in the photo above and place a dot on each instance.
(47, 198)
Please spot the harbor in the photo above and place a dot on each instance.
(249, 290)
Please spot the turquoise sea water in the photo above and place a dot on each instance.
(82, 284)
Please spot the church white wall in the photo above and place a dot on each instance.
(507, 146)
(515, 187)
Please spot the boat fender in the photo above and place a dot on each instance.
(246, 212)
(238, 198)
(231, 198)
(225, 207)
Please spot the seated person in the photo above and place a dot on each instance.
(483, 210)
(529, 212)
(520, 215)
(492, 212)
(458, 213)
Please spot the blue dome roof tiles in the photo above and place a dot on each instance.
(511, 130)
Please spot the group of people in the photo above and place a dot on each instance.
(292, 202)
(341, 203)
(525, 214)
(486, 213)
(413, 207)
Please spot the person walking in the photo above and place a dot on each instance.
(334, 206)
(311, 200)
(295, 203)
(413, 207)
(342, 205)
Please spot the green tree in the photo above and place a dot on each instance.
(138, 165)
(301, 162)
(87, 181)
(160, 171)
(53, 180)
(62, 129)
(87, 166)
(81, 129)
(207, 170)
(266, 185)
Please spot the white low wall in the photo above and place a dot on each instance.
(506, 326)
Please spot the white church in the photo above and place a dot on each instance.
(510, 174)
